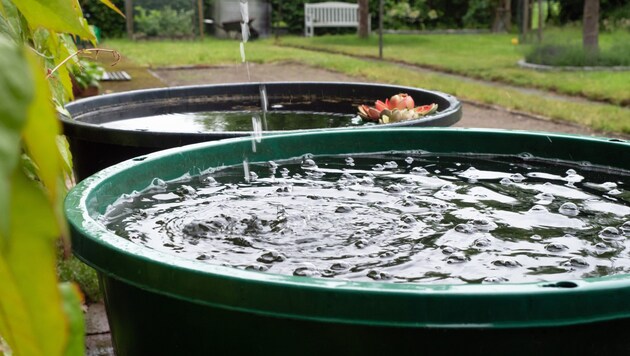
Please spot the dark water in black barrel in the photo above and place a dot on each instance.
(398, 217)
(222, 121)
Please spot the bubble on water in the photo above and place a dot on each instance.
(208, 181)
(257, 267)
(157, 184)
(483, 224)
(609, 185)
(601, 246)
(185, 190)
(271, 256)
(308, 164)
(576, 261)
(367, 180)
(610, 233)
(379, 275)
(378, 167)
(395, 188)
(408, 219)
(433, 217)
(525, 156)
(482, 242)
(506, 263)
(447, 250)
(350, 161)
(465, 229)
(285, 189)
(517, 177)
(494, 280)
(306, 270)
(390, 165)
(409, 160)
(449, 187)
(202, 228)
(545, 198)
(573, 178)
(569, 209)
(456, 257)
(420, 171)
(556, 247)
(438, 206)
(316, 174)
(387, 254)
(202, 257)
(343, 209)
(506, 181)
(361, 243)
(340, 266)
(570, 172)
(538, 209)
(625, 228)
(614, 192)
(535, 237)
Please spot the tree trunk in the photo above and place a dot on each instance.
(502, 17)
(590, 27)
(129, 18)
(364, 16)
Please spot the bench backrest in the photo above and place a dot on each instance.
(332, 13)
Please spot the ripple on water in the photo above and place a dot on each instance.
(391, 217)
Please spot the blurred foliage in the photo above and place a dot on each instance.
(38, 315)
(166, 22)
(99, 15)
(88, 73)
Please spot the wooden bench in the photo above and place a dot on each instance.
(330, 14)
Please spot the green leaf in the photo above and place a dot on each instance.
(31, 316)
(113, 7)
(66, 155)
(72, 302)
(56, 15)
(40, 140)
(41, 131)
(16, 93)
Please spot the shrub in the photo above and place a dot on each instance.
(558, 51)
(164, 23)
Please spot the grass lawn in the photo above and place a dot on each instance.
(603, 117)
(485, 56)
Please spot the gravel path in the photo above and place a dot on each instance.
(475, 115)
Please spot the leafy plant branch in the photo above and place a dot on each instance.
(116, 55)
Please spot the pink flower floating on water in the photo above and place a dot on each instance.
(399, 107)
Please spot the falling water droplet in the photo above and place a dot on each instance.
(246, 170)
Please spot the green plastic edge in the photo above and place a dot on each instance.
(368, 303)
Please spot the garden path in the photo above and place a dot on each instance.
(475, 114)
